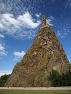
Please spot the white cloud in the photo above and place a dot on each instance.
(9, 18)
(2, 36)
(18, 54)
(3, 53)
(64, 29)
(1, 47)
(49, 20)
(58, 33)
(22, 25)
(38, 15)
(68, 3)
(62, 33)
(5, 6)
(2, 50)
(1, 26)
(28, 20)
(3, 72)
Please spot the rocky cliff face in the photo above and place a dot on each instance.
(45, 54)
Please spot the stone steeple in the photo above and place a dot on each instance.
(43, 21)
(44, 24)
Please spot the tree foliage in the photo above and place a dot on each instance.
(3, 80)
(60, 80)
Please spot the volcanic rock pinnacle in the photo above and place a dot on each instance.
(46, 53)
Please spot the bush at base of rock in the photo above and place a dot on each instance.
(3, 80)
(60, 80)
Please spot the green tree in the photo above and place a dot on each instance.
(3, 80)
(66, 79)
(55, 78)
(60, 80)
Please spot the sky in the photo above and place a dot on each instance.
(20, 21)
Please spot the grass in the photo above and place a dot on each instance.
(35, 92)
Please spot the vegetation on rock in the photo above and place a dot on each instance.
(60, 79)
(3, 80)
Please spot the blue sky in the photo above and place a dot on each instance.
(20, 20)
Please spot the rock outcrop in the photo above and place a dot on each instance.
(45, 54)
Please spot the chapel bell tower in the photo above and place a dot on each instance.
(43, 21)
